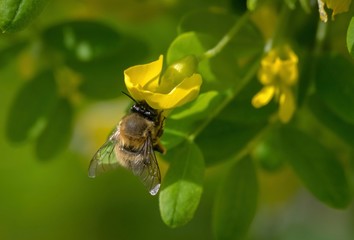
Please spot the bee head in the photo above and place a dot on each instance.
(145, 110)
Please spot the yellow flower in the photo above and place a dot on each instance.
(179, 85)
(278, 73)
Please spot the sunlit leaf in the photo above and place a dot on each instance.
(182, 186)
(223, 70)
(350, 37)
(33, 101)
(56, 135)
(196, 44)
(335, 85)
(236, 203)
(252, 4)
(317, 167)
(17, 14)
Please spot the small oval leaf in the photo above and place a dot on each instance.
(57, 132)
(33, 101)
(182, 186)
(17, 14)
(317, 167)
(350, 37)
(236, 202)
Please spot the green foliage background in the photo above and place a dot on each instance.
(231, 171)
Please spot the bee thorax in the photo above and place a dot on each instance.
(133, 125)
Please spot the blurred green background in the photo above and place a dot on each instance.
(54, 198)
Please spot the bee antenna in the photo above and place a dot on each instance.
(126, 94)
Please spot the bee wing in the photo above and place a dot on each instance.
(105, 159)
(148, 169)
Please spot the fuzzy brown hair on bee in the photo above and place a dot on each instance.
(132, 145)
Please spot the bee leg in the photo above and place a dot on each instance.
(158, 147)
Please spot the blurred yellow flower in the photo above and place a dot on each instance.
(179, 85)
(278, 73)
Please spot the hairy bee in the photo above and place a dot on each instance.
(133, 142)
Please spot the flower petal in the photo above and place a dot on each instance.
(289, 70)
(279, 65)
(286, 105)
(263, 97)
(184, 92)
(143, 76)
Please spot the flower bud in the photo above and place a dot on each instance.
(179, 70)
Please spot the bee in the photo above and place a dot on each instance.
(132, 145)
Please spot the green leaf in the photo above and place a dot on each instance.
(350, 37)
(240, 109)
(252, 4)
(56, 135)
(182, 186)
(196, 44)
(102, 79)
(266, 152)
(32, 102)
(222, 71)
(236, 203)
(306, 6)
(83, 41)
(217, 23)
(184, 121)
(207, 21)
(97, 52)
(17, 14)
(291, 4)
(7, 54)
(199, 108)
(222, 140)
(317, 167)
(335, 85)
(335, 124)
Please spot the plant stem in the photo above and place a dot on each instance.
(281, 28)
(320, 37)
(230, 95)
(226, 39)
